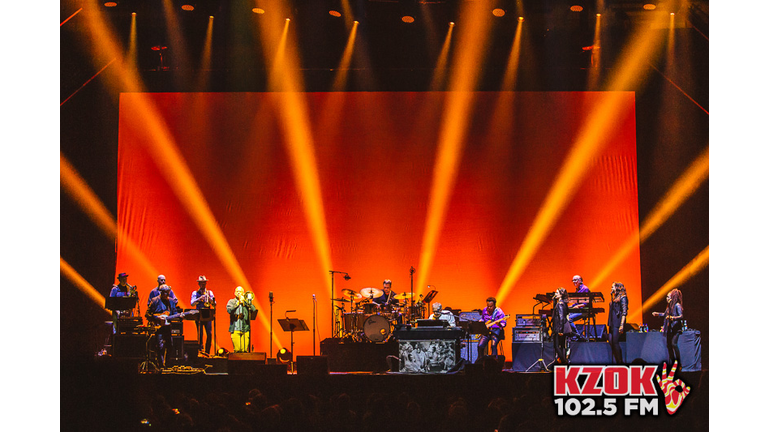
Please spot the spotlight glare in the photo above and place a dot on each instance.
(521, 19)
(334, 13)
(577, 8)
(649, 6)
(259, 11)
(498, 12)
(187, 7)
(407, 19)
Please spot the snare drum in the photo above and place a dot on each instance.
(371, 308)
(377, 328)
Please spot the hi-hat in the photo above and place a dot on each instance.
(371, 292)
(403, 296)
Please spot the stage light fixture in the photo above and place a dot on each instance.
(188, 7)
(521, 19)
(284, 355)
(577, 8)
(221, 352)
(334, 13)
(110, 4)
(649, 6)
(407, 19)
(258, 11)
(499, 12)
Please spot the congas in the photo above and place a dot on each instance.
(377, 328)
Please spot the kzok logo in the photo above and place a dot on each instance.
(633, 383)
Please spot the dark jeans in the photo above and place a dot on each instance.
(672, 348)
(164, 341)
(561, 351)
(482, 346)
(613, 339)
(208, 331)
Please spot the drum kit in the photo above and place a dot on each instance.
(369, 321)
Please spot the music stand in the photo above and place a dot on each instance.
(292, 325)
(476, 328)
(120, 303)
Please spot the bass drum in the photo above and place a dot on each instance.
(377, 328)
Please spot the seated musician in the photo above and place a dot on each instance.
(122, 289)
(439, 314)
(159, 309)
(495, 321)
(388, 298)
(578, 282)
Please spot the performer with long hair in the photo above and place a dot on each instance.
(617, 316)
(561, 327)
(673, 323)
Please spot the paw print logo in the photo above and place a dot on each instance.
(673, 397)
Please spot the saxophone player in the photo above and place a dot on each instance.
(122, 289)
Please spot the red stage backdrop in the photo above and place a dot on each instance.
(375, 155)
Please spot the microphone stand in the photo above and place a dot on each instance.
(410, 316)
(334, 330)
(271, 301)
(314, 321)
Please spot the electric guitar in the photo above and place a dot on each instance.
(490, 323)
(165, 316)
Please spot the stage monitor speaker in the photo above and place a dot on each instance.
(191, 349)
(245, 363)
(312, 365)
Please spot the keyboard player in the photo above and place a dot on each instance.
(578, 282)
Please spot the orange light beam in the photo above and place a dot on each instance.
(340, 81)
(696, 173)
(513, 63)
(205, 60)
(70, 17)
(293, 113)
(86, 83)
(133, 52)
(690, 270)
(594, 71)
(83, 195)
(163, 149)
(80, 282)
(589, 143)
(442, 61)
(458, 110)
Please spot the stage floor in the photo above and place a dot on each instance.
(111, 394)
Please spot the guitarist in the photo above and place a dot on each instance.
(159, 308)
(495, 320)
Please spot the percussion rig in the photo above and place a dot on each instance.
(369, 321)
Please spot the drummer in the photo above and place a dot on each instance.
(389, 296)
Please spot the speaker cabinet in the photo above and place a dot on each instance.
(245, 363)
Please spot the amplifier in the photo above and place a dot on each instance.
(526, 334)
(524, 320)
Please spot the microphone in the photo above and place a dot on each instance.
(313, 297)
(271, 296)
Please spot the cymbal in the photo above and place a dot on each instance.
(350, 293)
(341, 300)
(403, 296)
(371, 292)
